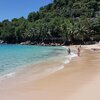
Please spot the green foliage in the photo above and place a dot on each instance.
(66, 20)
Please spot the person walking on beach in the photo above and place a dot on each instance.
(78, 51)
(69, 51)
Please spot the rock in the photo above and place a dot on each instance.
(26, 43)
(1, 41)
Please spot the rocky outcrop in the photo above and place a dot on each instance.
(26, 43)
(1, 41)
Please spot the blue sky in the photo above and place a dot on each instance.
(10, 9)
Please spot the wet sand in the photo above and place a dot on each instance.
(79, 80)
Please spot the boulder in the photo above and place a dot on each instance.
(1, 41)
(26, 43)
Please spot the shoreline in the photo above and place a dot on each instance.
(58, 64)
(65, 84)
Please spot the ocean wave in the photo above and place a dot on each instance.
(9, 75)
(69, 57)
(54, 69)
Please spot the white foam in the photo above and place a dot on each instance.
(69, 57)
(64, 46)
(66, 61)
(7, 75)
(55, 69)
(73, 55)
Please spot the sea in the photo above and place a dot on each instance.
(27, 60)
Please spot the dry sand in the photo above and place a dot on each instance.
(79, 80)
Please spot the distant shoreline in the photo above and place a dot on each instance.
(50, 44)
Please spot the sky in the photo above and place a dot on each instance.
(10, 9)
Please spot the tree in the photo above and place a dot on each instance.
(61, 21)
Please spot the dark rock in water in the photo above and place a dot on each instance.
(26, 43)
(1, 41)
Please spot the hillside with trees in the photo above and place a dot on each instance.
(62, 21)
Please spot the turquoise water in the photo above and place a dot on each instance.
(13, 57)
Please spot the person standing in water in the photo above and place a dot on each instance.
(78, 51)
(69, 51)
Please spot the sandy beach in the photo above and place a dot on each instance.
(79, 80)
